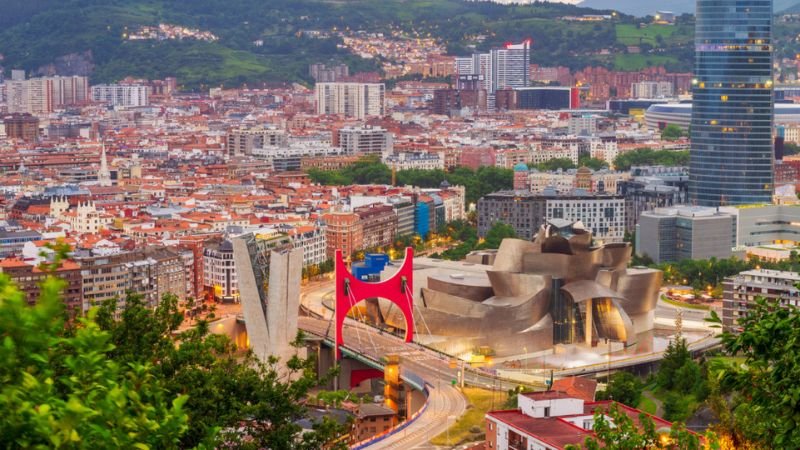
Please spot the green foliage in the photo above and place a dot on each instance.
(623, 387)
(677, 407)
(34, 33)
(704, 273)
(367, 170)
(463, 232)
(790, 148)
(496, 234)
(62, 390)
(675, 357)
(672, 132)
(769, 408)
(615, 429)
(370, 170)
(630, 34)
(592, 163)
(226, 390)
(648, 156)
(555, 164)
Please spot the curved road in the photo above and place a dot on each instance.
(445, 403)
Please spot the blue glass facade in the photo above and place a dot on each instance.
(732, 116)
(422, 219)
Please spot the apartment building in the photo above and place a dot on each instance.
(741, 291)
(122, 95)
(356, 100)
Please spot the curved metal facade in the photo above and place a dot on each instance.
(732, 114)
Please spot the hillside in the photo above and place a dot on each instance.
(91, 36)
(641, 8)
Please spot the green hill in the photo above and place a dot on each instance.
(35, 33)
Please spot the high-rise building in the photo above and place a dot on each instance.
(732, 117)
(125, 95)
(357, 100)
(511, 66)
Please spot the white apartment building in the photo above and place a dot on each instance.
(242, 141)
(123, 95)
(561, 182)
(603, 215)
(219, 272)
(415, 160)
(652, 89)
(46, 94)
(313, 240)
(511, 66)
(357, 100)
(540, 154)
(582, 125)
(366, 140)
(604, 149)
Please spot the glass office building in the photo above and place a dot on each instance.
(732, 117)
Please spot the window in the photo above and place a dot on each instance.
(547, 411)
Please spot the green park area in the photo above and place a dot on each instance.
(654, 35)
(470, 426)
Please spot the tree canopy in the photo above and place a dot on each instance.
(63, 390)
(616, 430)
(105, 383)
(672, 132)
(648, 156)
(496, 234)
(370, 170)
(767, 408)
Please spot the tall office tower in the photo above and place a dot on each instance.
(511, 66)
(358, 100)
(732, 117)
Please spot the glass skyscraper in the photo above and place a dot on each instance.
(731, 154)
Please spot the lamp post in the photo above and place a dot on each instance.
(449, 418)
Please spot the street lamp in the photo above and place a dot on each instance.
(449, 418)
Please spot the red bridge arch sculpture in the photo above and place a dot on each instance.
(398, 289)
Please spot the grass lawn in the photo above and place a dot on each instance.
(685, 305)
(630, 62)
(647, 405)
(670, 34)
(479, 402)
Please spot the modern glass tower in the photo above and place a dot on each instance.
(732, 150)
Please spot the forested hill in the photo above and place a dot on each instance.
(91, 35)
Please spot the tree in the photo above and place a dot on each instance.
(675, 357)
(672, 132)
(555, 164)
(227, 390)
(62, 390)
(623, 387)
(496, 234)
(617, 430)
(592, 163)
(648, 156)
(766, 383)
